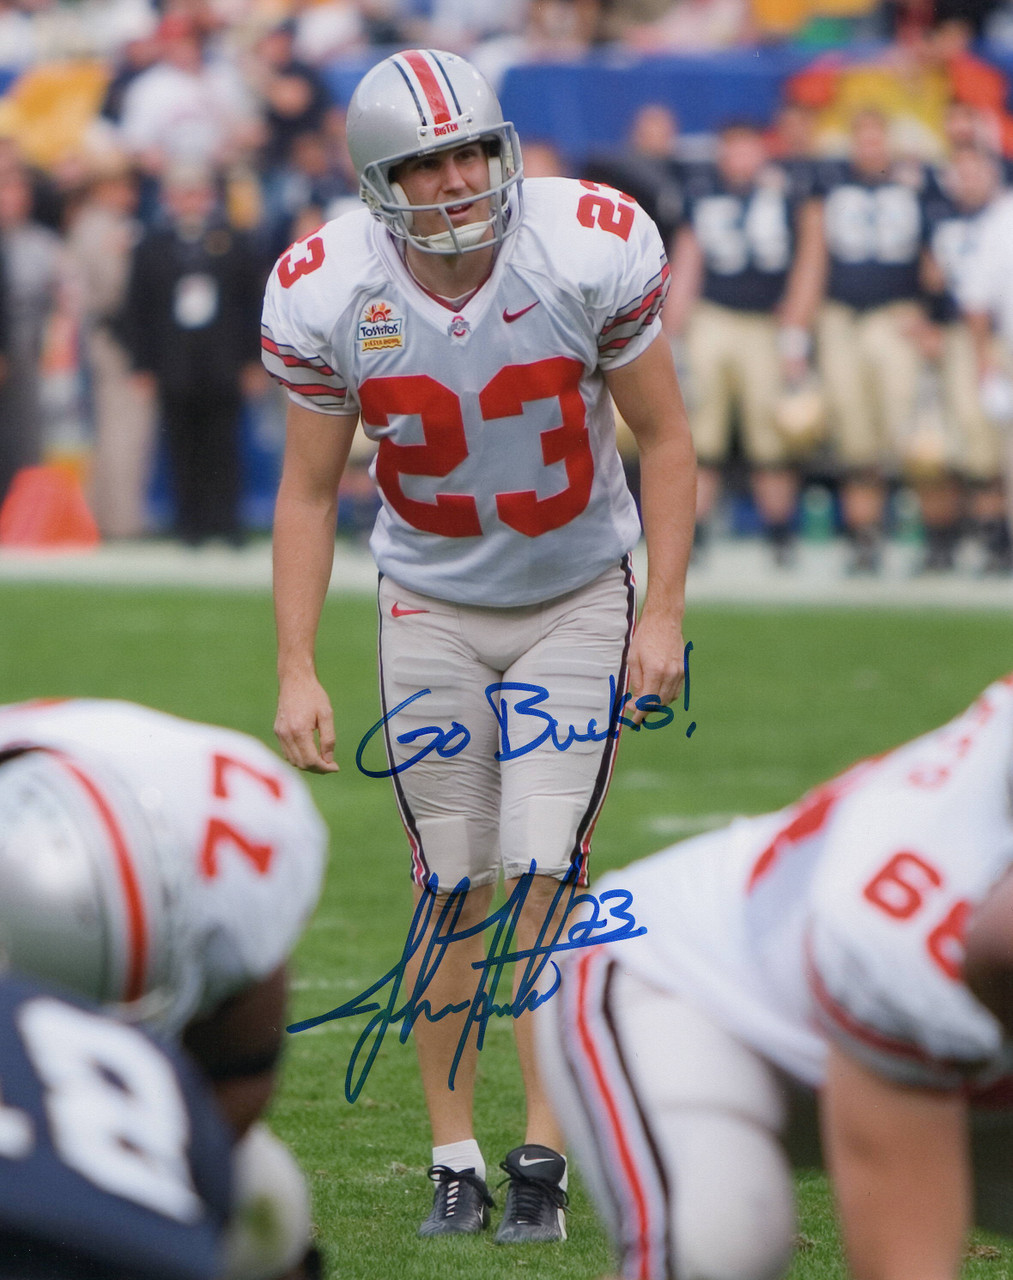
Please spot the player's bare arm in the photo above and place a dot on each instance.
(316, 451)
(807, 278)
(238, 1046)
(646, 392)
(687, 278)
(979, 324)
(899, 1161)
(804, 288)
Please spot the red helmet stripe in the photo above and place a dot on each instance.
(137, 933)
(426, 77)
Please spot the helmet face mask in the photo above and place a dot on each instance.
(424, 102)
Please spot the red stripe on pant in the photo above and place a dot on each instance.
(610, 1109)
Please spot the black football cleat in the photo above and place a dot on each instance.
(461, 1204)
(535, 1203)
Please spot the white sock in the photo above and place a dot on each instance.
(566, 1169)
(461, 1155)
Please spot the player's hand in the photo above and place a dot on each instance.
(656, 662)
(305, 725)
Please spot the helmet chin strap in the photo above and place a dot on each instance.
(460, 238)
(399, 195)
(448, 241)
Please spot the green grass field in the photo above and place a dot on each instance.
(780, 699)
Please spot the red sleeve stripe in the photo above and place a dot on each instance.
(642, 304)
(846, 1022)
(631, 329)
(302, 375)
(290, 357)
(303, 380)
(313, 389)
(616, 344)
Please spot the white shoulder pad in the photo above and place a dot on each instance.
(313, 285)
(599, 245)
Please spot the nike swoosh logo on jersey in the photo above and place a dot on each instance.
(511, 316)
(397, 612)
(524, 1161)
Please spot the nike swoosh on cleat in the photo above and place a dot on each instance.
(397, 612)
(524, 1161)
(511, 316)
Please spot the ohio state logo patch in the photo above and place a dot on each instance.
(379, 329)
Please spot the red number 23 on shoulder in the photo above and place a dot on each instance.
(603, 207)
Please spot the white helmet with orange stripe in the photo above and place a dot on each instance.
(89, 896)
(418, 102)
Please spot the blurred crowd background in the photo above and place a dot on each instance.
(831, 177)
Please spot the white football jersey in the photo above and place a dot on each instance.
(843, 916)
(497, 464)
(251, 840)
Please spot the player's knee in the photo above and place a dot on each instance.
(542, 829)
(718, 1110)
(732, 1209)
(694, 1063)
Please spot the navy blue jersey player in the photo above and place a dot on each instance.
(745, 285)
(114, 1161)
(955, 209)
(744, 218)
(869, 355)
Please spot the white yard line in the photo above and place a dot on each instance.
(735, 572)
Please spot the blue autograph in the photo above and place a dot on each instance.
(613, 924)
(520, 711)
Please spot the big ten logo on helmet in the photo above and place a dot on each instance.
(379, 329)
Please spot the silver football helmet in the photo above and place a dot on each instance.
(422, 101)
(89, 886)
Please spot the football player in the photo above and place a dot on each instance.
(478, 332)
(969, 184)
(114, 1159)
(870, 359)
(747, 271)
(166, 869)
(808, 960)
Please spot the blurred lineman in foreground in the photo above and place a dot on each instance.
(112, 1152)
(166, 869)
(843, 966)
